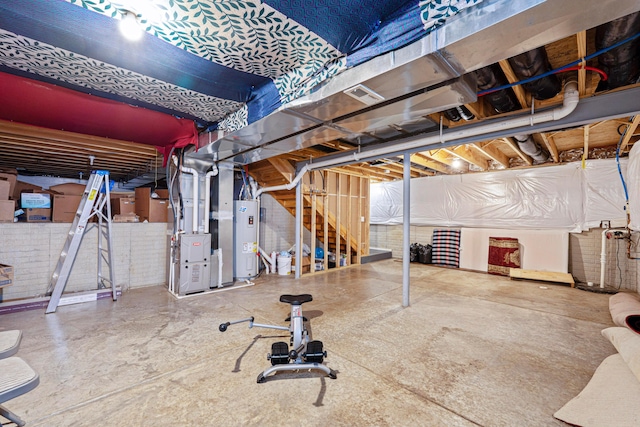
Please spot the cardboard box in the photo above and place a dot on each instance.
(5, 190)
(69, 189)
(123, 206)
(35, 200)
(162, 194)
(130, 217)
(65, 208)
(21, 187)
(151, 210)
(6, 275)
(7, 210)
(38, 215)
(306, 263)
(11, 179)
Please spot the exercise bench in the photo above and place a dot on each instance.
(304, 354)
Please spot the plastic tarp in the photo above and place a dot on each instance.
(564, 197)
(633, 187)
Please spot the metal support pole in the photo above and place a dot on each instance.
(298, 238)
(406, 223)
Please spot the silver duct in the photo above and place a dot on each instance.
(531, 148)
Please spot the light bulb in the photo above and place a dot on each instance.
(129, 26)
(457, 163)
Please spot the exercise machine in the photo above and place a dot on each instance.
(305, 354)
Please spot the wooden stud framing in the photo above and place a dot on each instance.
(585, 150)
(359, 222)
(349, 219)
(338, 211)
(314, 236)
(325, 225)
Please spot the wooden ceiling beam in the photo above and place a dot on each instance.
(512, 78)
(581, 41)
(551, 146)
(439, 156)
(284, 167)
(468, 156)
(18, 130)
(492, 152)
(420, 160)
(631, 129)
(511, 143)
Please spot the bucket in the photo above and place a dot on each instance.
(284, 265)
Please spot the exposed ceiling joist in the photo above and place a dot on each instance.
(492, 152)
(629, 133)
(511, 143)
(468, 156)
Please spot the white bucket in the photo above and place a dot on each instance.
(284, 265)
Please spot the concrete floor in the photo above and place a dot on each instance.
(472, 349)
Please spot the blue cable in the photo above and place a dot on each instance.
(624, 184)
(557, 70)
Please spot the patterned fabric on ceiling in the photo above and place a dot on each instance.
(218, 62)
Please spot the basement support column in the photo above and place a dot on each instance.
(406, 223)
(298, 238)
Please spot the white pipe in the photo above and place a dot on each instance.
(207, 196)
(603, 256)
(569, 103)
(196, 196)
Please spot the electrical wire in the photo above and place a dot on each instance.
(624, 184)
(602, 73)
(560, 69)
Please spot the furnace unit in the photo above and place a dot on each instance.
(194, 260)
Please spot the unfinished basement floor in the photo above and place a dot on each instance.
(471, 350)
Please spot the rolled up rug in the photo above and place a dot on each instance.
(625, 310)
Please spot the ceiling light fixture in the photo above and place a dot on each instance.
(457, 163)
(129, 26)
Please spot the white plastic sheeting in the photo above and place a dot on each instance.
(633, 187)
(564, 197)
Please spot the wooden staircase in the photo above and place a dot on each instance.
(288, 200)
(325, 211)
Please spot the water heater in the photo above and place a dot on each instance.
(245, 239)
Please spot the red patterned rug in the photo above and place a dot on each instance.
(504, 253)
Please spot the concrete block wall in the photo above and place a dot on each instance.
(584, 260)
(33, 249)
(584, 254)
(277, 231)
(390, 237)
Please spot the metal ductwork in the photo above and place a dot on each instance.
(531, 148)
(622, 64)
(431, 75)
(503, 100)
(533, 63)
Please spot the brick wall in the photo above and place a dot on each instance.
(33, 249)
(584, 254)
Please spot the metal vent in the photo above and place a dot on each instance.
(364, 94)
